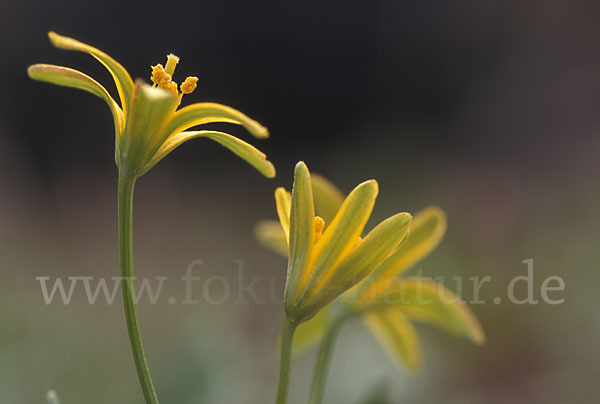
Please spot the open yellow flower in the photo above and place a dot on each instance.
(386, 302)
(148, 123)
(148, 126)
(326, 259)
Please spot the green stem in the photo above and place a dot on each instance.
(289, 327)
(126, 186)
(323, 361)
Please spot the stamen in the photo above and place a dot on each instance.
(189, 85)
(172, 61)
(162, 79)
(172, 87)
(319, 226)
(159, 75)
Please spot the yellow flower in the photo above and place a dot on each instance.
(148, 123)
(387, 303)
(326, 259)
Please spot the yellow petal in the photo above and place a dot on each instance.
(339, 237)
(426, 232)
(150, 108)
(122, 79)
(209, 112)
(283, 202)
(270, 234)
(367, 255)
(64, 76)
(247, 152)
(430, 302)
(397, 336)
(328, 198)
(302, 219)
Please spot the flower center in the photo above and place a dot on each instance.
(163, 77)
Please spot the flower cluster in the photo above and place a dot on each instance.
(335, 271)
(386, 302)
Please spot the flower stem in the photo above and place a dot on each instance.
(126, 186)
(289, 327)
(323, 360)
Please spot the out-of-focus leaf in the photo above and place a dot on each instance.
(430, 302)
(397, 335)
(270, 234)
(52, 397)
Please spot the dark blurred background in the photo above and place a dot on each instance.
(486, 108)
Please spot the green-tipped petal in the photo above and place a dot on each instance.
(426, 232)
(368, 254)
(245, 151)
(209, 112)
(64, 76)
(270, 234)
(283, 202)
(150, 109)
(397, 336)
(122, 79)
(430, 302)
(328, 198)
(302, 222)
(340, 236)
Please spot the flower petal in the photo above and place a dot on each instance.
(426, 232)
(270, 234)
(64, 76)
(302, 219)
(122, 79)
(430, 302)
(150, 109)
(366, 256)
(340, 236)
(283, 202)
(253, 156)
(397, 335)
(209, 112)
(328, 198)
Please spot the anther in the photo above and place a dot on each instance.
(189, 85)
(159, 75)
(319, 226)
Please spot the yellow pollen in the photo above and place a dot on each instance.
(162, 79)
(319, 226)
(159, 75)
(172, 61)
(172, 87)
(189, 85)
